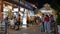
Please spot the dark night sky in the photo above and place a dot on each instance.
(39, 3)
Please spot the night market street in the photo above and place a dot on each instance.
(29, 17)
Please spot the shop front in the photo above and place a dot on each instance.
(12, 10)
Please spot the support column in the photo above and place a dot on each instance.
(24, 18)
(1, 9)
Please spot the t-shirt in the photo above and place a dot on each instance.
(42, 19)
(11, 22)
(47, 19)
(19, 18)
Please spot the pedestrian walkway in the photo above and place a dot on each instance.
(29, 30)
(1, 32)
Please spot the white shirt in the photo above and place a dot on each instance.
(11, 22)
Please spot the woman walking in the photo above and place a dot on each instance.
(47, 24)
(52, 23)
(17, 24)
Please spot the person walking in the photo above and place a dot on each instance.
(42, 19)
(12, 23)
(18, 23)
(52, 23)
(47, 24)
(6, 23)
(40, 24)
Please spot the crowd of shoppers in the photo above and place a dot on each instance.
(47, 23)
(13, 23)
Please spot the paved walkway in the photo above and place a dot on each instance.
(1, 32)
(30, 30)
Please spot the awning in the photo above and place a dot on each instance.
(24, 5)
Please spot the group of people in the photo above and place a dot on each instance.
(47, 23)
(13, 23)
